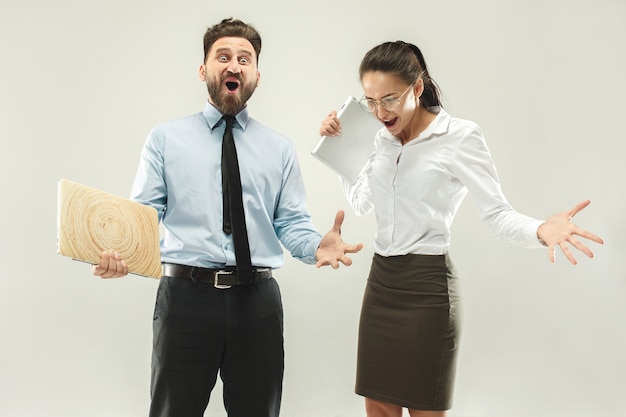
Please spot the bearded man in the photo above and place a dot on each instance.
(208, 319)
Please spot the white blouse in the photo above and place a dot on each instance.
(417, 189)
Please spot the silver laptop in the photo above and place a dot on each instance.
(347, 153)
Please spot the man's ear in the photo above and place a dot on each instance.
(201, 72)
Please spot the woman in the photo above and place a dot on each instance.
(424, 163)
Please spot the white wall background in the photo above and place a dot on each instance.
(82, 83)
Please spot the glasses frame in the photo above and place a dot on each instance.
(389, 103)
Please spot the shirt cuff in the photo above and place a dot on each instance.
(532, 240)
(311, 248)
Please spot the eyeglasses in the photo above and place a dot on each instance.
(388, 103)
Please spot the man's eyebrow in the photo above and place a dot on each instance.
(238, 51)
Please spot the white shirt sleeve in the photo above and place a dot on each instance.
(359, 194)
(472, 164)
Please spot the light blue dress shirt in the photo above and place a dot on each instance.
(180, 176)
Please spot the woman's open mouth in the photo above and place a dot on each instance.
(390, 123)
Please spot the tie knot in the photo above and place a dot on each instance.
(229, 119)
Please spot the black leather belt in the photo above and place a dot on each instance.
(220, 278)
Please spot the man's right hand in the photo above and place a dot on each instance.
(111, 265)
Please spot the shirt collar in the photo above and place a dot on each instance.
(439, 126)
(213, 116)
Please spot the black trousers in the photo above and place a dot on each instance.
(200, 331)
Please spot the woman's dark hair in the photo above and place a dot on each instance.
(407, 62)
(235, 28)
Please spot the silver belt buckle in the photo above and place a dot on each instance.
(217, 274)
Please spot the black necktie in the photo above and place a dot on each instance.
(234, 219)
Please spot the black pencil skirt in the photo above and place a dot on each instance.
(409, 332)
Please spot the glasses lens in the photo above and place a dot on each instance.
(367, 105)
(390, 104)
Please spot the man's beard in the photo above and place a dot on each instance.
(229, 103)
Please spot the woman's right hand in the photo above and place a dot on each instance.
(331, 126)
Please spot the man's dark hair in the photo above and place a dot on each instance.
(235, 28)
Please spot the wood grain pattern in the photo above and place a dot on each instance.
(91, 221)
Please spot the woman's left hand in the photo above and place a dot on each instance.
(558, 230)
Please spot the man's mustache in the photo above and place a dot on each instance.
(232, 75)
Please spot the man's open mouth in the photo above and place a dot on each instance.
(232, 85)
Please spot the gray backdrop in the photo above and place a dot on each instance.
(82, 83)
